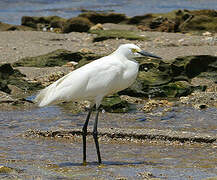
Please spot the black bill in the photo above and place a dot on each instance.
(144, 53)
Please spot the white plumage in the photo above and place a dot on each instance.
(94, 81)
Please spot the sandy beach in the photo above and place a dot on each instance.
(15, 45)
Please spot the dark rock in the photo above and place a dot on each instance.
(19, 28)
(160, 79)
(39, 22)
(113, 34)
(115, 104)
(77, 24)
(10, 76)
(140, 19)
(202, 20)
(178, 21)
(4, 26)
(192, 66)
(56, 58)
(95, 17)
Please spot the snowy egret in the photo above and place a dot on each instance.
(94, 81)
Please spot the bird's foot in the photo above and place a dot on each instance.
(84, 163)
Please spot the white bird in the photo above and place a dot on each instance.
(94, 81)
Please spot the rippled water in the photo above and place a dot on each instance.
(11, 11)
(61, 159)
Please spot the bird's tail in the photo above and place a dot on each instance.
(43, 98)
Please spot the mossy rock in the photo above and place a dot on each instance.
(192, 66)
(202, 20)
(6, 170)
(113, 34)
(9, 170)
(178, 21)
(96, 17)
(56, 58)
(4, 26)
(39, 22)
(20, 28)
(77, 24)
(160, 79)
(10, 76)
(110, 104)
(115, 104)
(176, 89)
(202, 23)
(140, 19)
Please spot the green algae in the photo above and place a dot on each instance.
(116, 34)
(56, 58)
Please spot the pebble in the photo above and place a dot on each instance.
(97, 27)
(207, 33)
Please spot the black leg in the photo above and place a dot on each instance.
(84, 130)
(95, 136)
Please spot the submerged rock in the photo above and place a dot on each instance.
(152, 104)
(115, 104)
(112, 104)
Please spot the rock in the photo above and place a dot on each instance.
(207, 33)
(96, 18)
(152, 104)
(19, 28)
(192, 66)
(49, 78)
(201, 106)
(200, 100)
(147, 175)
(56, 58)
(202, 20)
(115, 104)
(97, 27)
(71, 64)
(9, 27)
(38, 23)
(184, 100)
(5, 170)
(115, 34)
(10, 76)
(77, 24)
(4, 26)
(178, 21)
(162, 79)
(140, 19)
(176, 89)
(9, 170)
(5, 97)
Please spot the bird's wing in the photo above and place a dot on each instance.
(97, 78)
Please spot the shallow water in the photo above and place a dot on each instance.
(11, 11)
(61, 159)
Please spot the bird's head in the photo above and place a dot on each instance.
(132, 51)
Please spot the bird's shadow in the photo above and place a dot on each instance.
(109, 163)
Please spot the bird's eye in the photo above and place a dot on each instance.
(134, 50)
